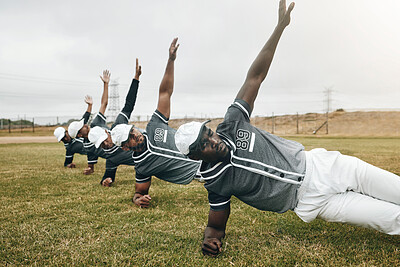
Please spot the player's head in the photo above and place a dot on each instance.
(128, 137)
(198, 142)
(100, 137)
(78, 129)
(62, 135)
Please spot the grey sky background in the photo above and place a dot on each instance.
(52, 53)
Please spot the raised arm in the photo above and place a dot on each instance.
(260, 66)
(215, 231)
(89, 102)
(104, 98)
(167, 83)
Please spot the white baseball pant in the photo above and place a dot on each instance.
(339, 188)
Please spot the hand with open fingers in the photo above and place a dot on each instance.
(211, 246)
(106, 76)
(173, 48)
(138, 70)
(142, 201)
(71, 165)
(107, 182)
(284, 14)
(88, 171)
(88, 100)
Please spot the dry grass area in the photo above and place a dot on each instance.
(375, 123)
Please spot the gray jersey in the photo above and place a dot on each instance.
(263, 170)
(161, 157)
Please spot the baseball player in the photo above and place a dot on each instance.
(74, 145)
(112, 153)
(80, 128)
(274, 174)
(153, 152)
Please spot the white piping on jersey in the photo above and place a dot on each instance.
(253, 137)
(124, 115)
(211, 169)
(68, 156)
(140, 156)
(219, 204)
(79, 140)
(92, 161)
(265, 165)
(243, 108)
(101, 116)
(218, 173)
(88, 145)
(161, 117)
(140, 180)
(264, 173)
(112, 168)
(161, 155)
(164, 149)
(111, 150)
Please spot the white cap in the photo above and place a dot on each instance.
(188, 134)
(97, 135)
(120, 133)
(74, 128)
(59, 133)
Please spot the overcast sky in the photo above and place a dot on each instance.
(52, 52)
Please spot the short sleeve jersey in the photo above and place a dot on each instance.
(262, 170)
(161, 157)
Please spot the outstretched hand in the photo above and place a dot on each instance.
(138, 70)
(284, 14)
(106, 76)
(173, 48)
(88, 100)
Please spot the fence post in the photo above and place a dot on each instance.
(20, 124)
(9, 125)
(297, 125)
(273, 123)
(33, 125)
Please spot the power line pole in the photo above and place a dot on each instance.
(328, 92)
(113, 100)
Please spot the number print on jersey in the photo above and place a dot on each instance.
(242, 139)
(159, 135)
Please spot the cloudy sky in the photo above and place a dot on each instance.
(52, 52)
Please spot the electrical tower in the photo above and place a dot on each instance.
(113, 101)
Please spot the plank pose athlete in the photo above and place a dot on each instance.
(274, 174)
(153, 152)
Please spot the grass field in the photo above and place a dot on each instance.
(56, 216)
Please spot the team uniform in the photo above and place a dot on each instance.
(77, 146)
(274, 174)
(123, 117)
(160, 157)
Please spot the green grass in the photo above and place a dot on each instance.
(56, 216)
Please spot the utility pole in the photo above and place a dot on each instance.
(113, 100)
(328, 92)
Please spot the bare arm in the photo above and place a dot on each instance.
(141, 197)
(167, 83)
(89, 102)
(215, 231)
(104, 98)
(260, 66)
